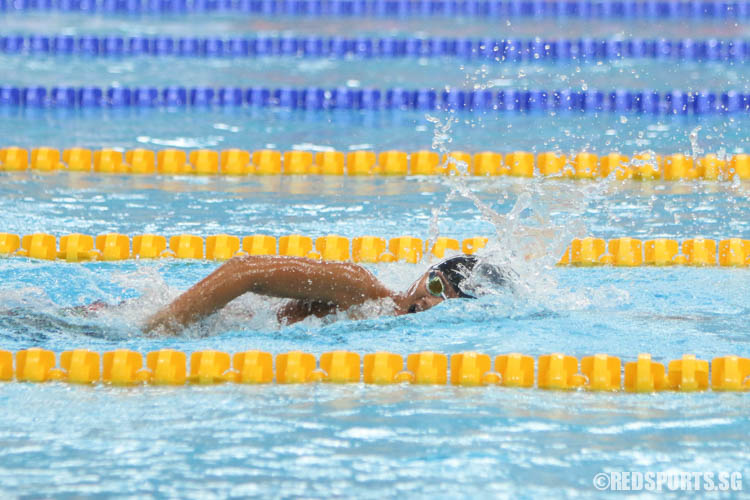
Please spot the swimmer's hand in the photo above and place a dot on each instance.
(337, 283)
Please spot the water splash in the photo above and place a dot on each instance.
(530, 237)
(441, 135)
(30, 314)
(695, 149)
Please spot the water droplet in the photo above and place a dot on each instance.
(694, 146)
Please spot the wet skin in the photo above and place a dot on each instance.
(316, 289)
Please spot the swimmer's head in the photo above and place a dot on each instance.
(462, 276)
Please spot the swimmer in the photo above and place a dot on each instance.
(318, 288)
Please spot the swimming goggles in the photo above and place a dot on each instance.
(435, 285)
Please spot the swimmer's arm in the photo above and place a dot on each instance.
(339, 284)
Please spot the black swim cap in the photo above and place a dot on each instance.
(459, 270)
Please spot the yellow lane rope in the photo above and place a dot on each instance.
(599, 372)
(583, 165)
(626, 252)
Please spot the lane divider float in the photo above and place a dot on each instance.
(491, 9)
(585, 252)
(114, 246)
(672, 102)
(484, 49)
(646, 166)
(555, 371)
(632, 252)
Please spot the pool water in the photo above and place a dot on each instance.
(342, 130)
(218, 24)
(360, 440)
(353, 440)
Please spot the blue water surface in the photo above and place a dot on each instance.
(253, 129)
(328, 440)
(234, 24)
(352, 440)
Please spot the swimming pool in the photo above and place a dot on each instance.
(323, 440)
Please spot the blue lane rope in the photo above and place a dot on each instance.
(315, 98)
(485, 49)
(584, 9)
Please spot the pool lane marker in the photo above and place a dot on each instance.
(583, 252)
(483, 49)
(647, 102)
(643, 166)
(114, 247)
(555, 371)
